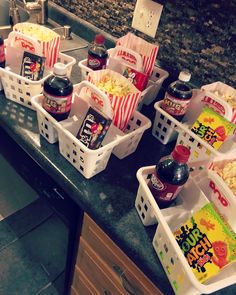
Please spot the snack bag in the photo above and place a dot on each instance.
(207, 242)
(212, 127)
(124, 96)
(147, 51)
(47, 38)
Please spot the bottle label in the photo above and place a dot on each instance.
(162, 190)
(96, 63)
(57, 104)
(2, 54)
(175, 106)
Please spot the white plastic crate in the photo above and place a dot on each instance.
(201, 152)
(20, 89)
(89, 162)
(179, 273)
(154, 84)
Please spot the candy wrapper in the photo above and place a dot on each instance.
(147, 51)
(124, 96)
(222, 92)
(212, 127)
(49, 40)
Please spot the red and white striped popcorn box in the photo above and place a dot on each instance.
(147, 50)
(49, 40)
(123, 106)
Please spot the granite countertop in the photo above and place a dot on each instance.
(109, 196)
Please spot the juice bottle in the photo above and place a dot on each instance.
(178, 96)
(57, 90)
(97, 54)
(171, 173)
(2, 53)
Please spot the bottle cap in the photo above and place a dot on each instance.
(59, 69)
(184, 76)
(181, 154)
(99, 39)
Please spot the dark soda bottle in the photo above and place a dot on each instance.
(178, 96)
(57, 90)
(2, 53)
(2, 59)
(97, 54)
(170, 175)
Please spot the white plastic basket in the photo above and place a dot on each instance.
(179, 273)
(154, 84)
(89, 162)
(201, 152)
(20, 89)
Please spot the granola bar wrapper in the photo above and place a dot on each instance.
(47, 38)
(123, 95)
(147, 50)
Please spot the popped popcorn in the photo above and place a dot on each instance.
(228, 174)
(113, 86)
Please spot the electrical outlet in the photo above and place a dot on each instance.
(147, 16)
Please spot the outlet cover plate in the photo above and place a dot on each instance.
(146, 17)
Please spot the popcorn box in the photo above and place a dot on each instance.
(147, 51)
(48, 40)
(123, 95)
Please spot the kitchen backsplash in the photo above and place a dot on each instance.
(199, 35)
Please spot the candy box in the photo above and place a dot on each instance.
(207, 242)
(212, 127)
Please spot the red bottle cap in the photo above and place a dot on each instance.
(181, 154)
(99, 39)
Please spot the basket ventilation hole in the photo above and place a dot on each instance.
(139, 207)
(142, 199)
(172, 261)
(46, 126)
(168, 269)
(68, 155)
(161, 255)
(191, 139)
(81, 168)
(22, 99)
(27, 93)
(146, 207)
(46, 135)
(175, 285)
(164, 129)
(29, 103)
(143, 215)
(128, 127)
(74, 152)
(74, 161)
(157, 75)
(159, 125)
(166, 248)
(81, 151)
(169, 122)
(162, 117)
(162, 137)
(138, 122)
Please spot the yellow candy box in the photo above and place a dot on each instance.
(207, 241)
(212, 127)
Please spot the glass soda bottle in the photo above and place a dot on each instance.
(97, 54)
(57, 91)
(178, 96)
(171, 173)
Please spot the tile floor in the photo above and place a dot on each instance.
(33, 239)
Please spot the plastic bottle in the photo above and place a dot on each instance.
(57, 90)
(97, 54)
(178, 96)
(170, 175)
(2, 59)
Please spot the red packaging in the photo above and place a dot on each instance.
(138, 79)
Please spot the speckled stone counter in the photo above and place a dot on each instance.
(107, 197)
